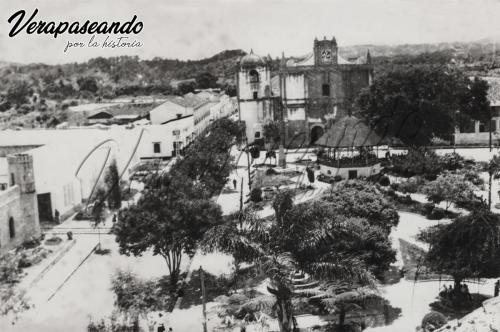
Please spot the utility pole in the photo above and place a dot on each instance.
(241, 204)
(204, 299)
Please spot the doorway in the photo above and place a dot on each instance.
(44, 207)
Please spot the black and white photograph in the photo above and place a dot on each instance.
(250, 165)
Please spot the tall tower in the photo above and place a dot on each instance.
(21, 173)
(254, 92)
(325, 52)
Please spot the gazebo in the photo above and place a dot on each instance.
(347, 149)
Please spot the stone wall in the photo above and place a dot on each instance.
(477, 138)
(10, 207)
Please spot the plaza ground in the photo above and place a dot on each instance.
(78, 292)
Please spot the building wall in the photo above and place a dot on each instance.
(19, 203)
(10, 207)
(202, 118)
(168, 111)
(344, 171)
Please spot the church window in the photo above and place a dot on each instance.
(255, 95)
(12, 180)
(326, 90)
(254, 76)
(257, 134)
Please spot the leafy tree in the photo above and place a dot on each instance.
(360, 199)
(18, 92)
(170, 218)
(137, 297)
(272, 132)
(98, 209)
(206, 80)
(418, 103)
(466, 248)
(477, 106)
(186, 87)
(112, 180)
(88, 84)
(449, 188)
(208, 159)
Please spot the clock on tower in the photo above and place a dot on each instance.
(326, 56)
(325, 51)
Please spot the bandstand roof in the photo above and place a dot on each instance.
(349, 132)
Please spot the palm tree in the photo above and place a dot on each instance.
(275, 248)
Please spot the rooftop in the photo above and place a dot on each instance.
(349, 132)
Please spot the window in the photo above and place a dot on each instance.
(12, 230)
(254, 76)
(255, 95)
(156, 147)
(12, 180)
(353, 174)
(257, 134)
(326, 90)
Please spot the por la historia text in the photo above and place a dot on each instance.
(109, 42)
(31, 26)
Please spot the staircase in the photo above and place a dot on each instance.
(303, 284)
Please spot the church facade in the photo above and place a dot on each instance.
(306, 95)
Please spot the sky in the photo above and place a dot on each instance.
(194, 29)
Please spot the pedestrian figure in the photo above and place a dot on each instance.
(170, 329)
(161, 328)
(114, 218)
(56, 216)
(467, 293)
(497, 288)
(235, 183)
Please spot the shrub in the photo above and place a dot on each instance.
(256, 195)
(55, 240)
(410, 186)
(32, 242)
(437, 213)
(271, 171)
(427, 208)
(384, 181)
(433, 320)
(337, 178)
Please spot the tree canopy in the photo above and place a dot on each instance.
(419, 103)
(330, 242)
(449, 188)
(170, 218)
(360, 199)
(466, 248)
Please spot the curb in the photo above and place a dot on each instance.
(51, 265)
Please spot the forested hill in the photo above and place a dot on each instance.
(128, 75)
(107, 77)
